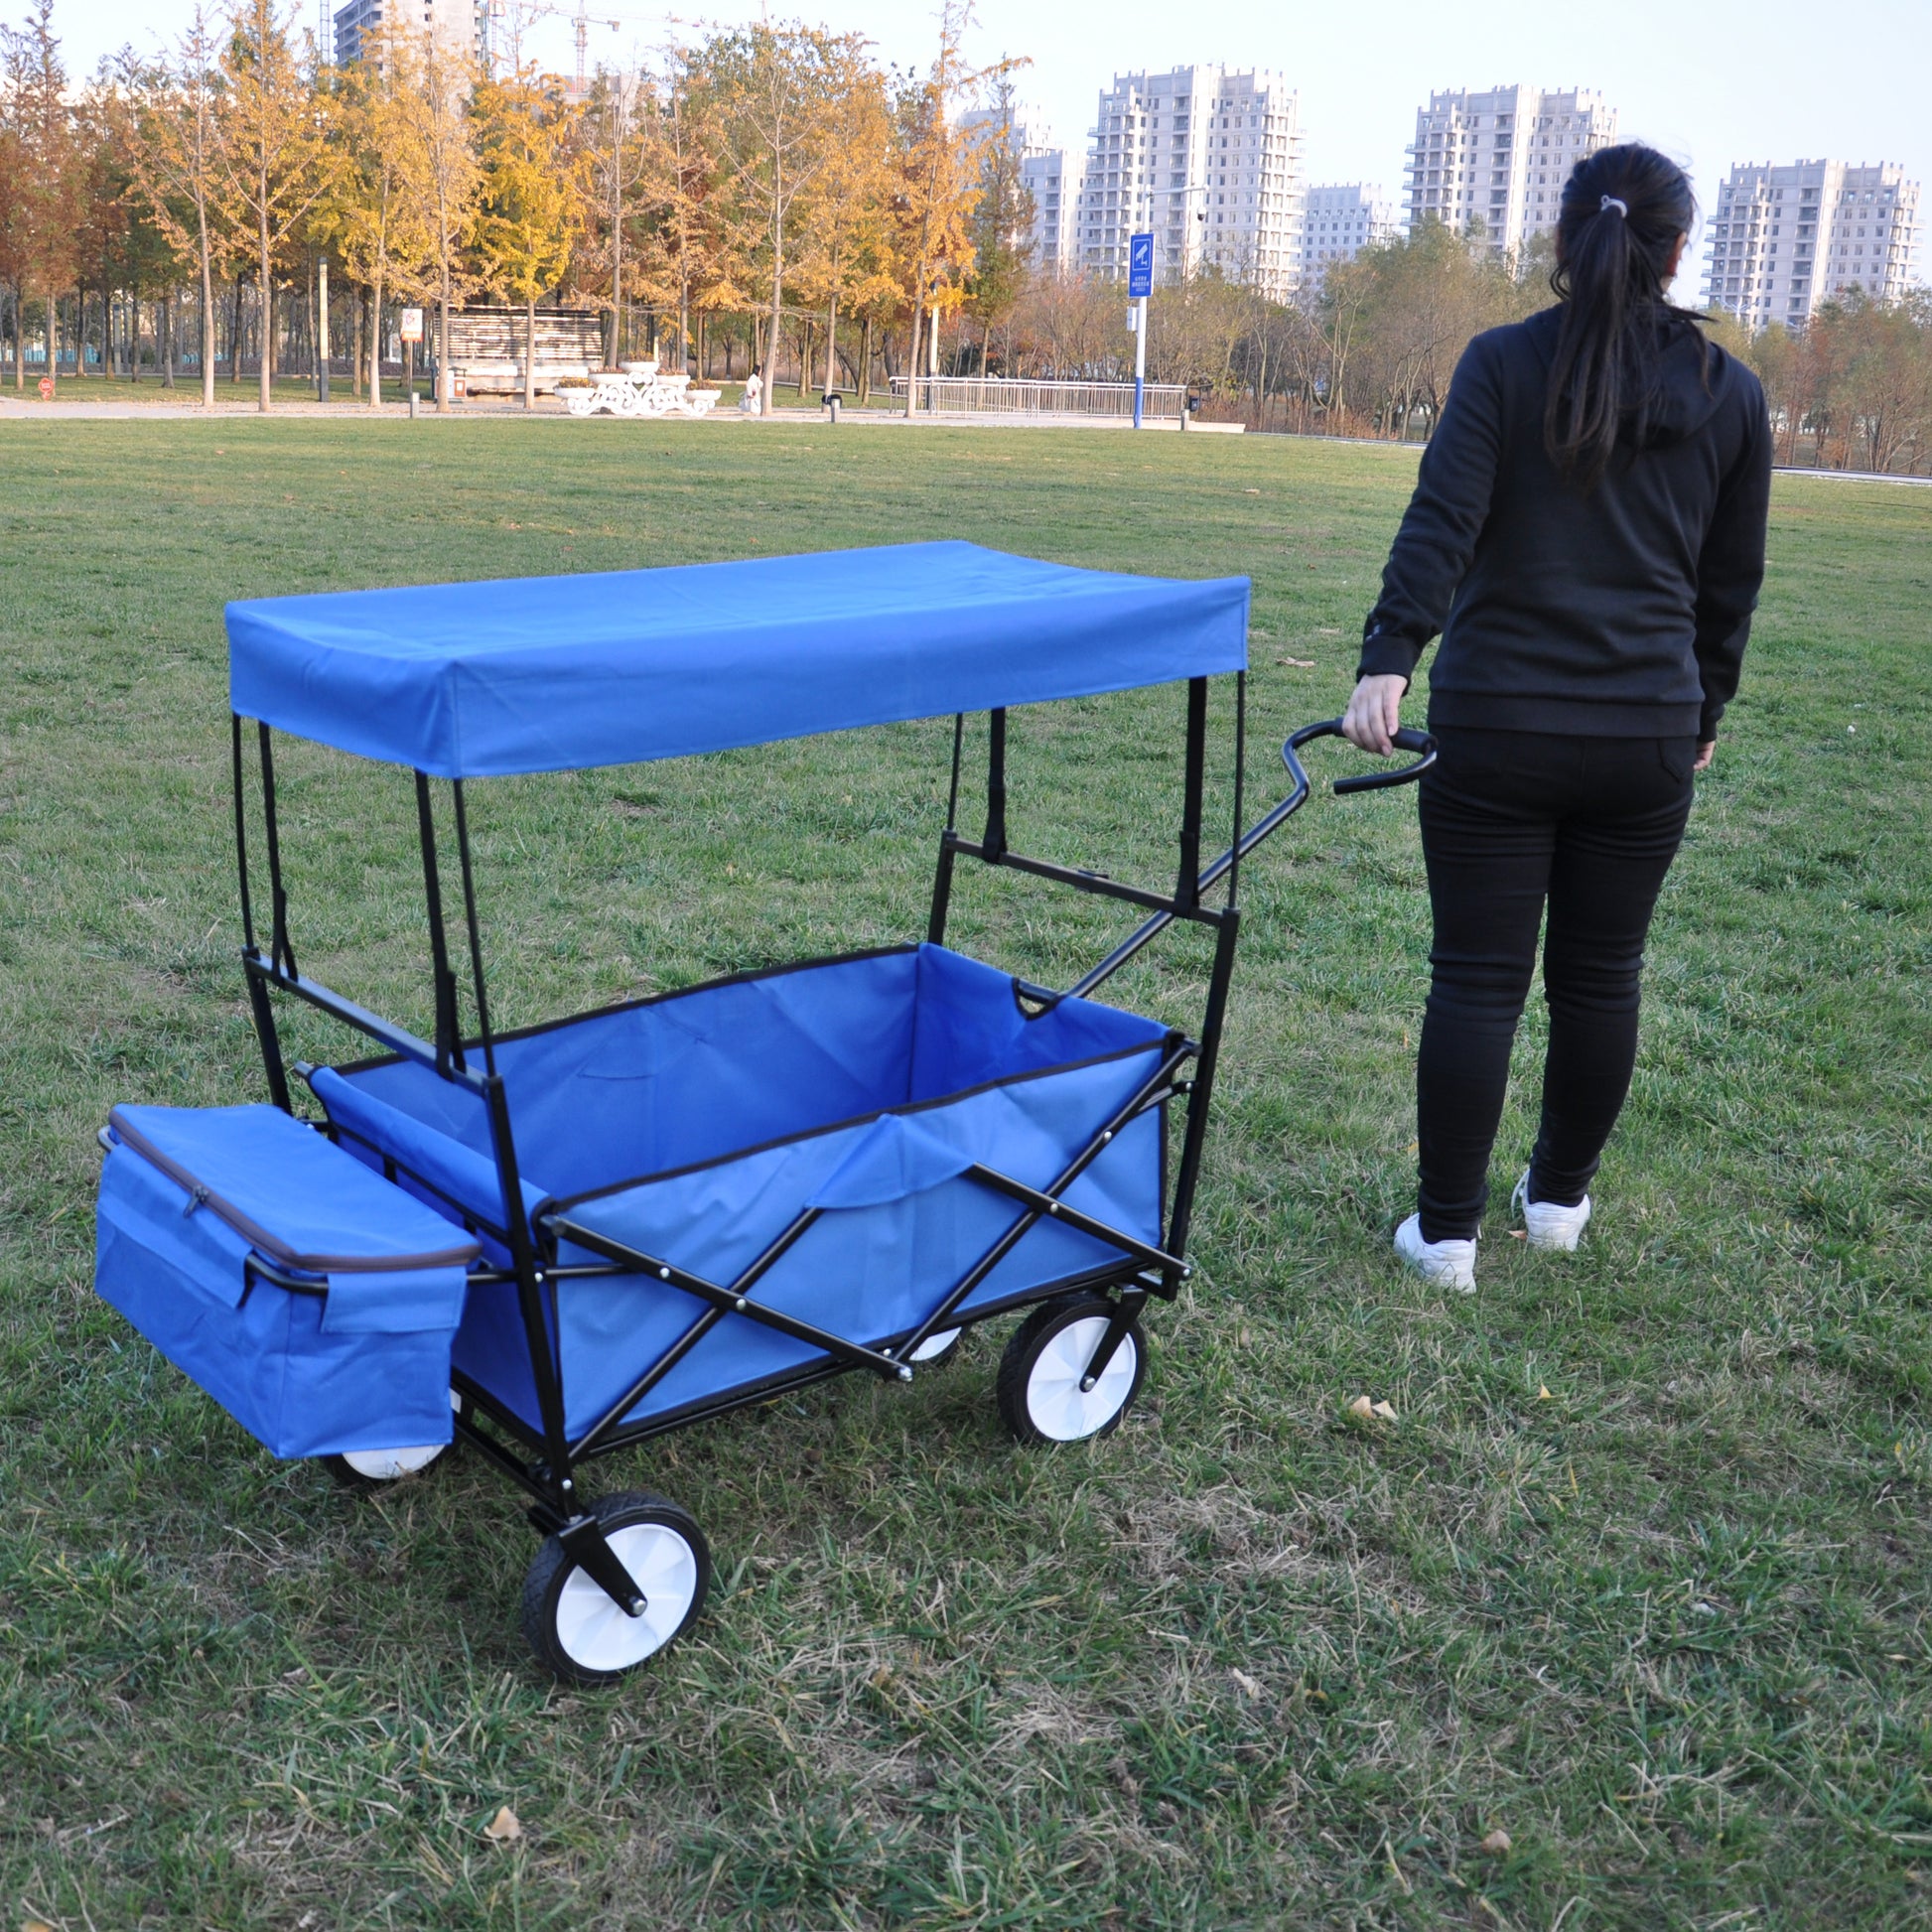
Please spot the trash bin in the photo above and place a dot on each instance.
(831, 402)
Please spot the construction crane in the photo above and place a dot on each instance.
(583, 25)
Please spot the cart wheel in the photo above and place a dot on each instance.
(577, 1631)
(377, 1468)
(938, 1349)
(1040, 1390)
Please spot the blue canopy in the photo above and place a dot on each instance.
(560, 673)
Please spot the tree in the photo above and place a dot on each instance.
(610, 156)
(272, 158)
(525, 211)
(41, 124)
(441, 170)
(377, 224)
(174, 160)
(775, 89)
(1001, 228)
(678, 167)
(845, 247)
(938, 186)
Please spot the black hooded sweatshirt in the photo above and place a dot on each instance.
(1622, 611)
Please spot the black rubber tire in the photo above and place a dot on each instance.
(544, 1584)
(353, 1479)
(1024, 1350)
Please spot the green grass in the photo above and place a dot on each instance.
(1243, 1664)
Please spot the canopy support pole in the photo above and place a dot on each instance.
(1186, 889)
(260, 1007)
(280, 952)
(935, 929)
(992, 846)
(1201, 1088)
(449, 1037)
(476, 931)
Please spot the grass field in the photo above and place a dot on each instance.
(1640, 1576)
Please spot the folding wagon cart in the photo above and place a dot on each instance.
(558, 1241)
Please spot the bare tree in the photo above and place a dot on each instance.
(41, 123)
(272, 160)
(175, 162)
(775, 88)
(442, 157)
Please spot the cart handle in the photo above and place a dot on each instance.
(1214, 873)
(1407, 738)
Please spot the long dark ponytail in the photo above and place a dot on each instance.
(1623, 208)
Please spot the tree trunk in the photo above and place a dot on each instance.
(832, 341)
(234, 333)
(356, 305)
(443, 345)
(864, 367)
(207, 329)
(375, 342)
(530, 355)
(265, 262)
(20, 335)
(768, 393)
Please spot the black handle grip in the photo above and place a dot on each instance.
(1407, 738)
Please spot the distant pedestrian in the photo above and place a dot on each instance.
(754, 389)
(1587, 535)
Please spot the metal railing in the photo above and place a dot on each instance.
(1000, 395)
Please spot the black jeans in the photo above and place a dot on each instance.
(1510, 819)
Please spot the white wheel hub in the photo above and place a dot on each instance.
(934, 1345)
(387, 1465)
(1058, 1406)
(591, 1630)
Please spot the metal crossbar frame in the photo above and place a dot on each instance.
(1143, 1268)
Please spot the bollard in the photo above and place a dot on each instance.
(412, 402)
(832, 408)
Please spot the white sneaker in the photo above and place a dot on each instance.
(1549, 1224)
(1441, 1264)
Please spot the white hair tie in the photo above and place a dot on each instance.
(1611, 201)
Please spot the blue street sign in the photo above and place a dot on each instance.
(1140, 266)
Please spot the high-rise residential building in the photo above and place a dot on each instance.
(459, 24)
(1208, 159)
(1339, 220)
(1046, 177)
(1501, 158)
(1783, 239)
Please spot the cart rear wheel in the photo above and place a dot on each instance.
(1040, 1397)
(377, 1468)
(577, 1631)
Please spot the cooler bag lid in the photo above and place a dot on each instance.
(392, 1265)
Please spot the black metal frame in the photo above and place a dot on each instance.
(1144, 1270)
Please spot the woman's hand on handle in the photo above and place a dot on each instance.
(1374, 712)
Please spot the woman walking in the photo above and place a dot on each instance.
(1587, 535)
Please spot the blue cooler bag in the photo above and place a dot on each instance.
(355, 1354)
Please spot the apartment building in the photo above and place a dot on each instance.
(1208, 159)
(1339, 220)
(1785, 237)
(463, 24)
(1045, 170)
(1501, 158)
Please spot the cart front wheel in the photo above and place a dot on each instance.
(377, 1468)
(578, 1631)
(1046, 1363)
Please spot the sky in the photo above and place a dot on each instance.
(1709, 82)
